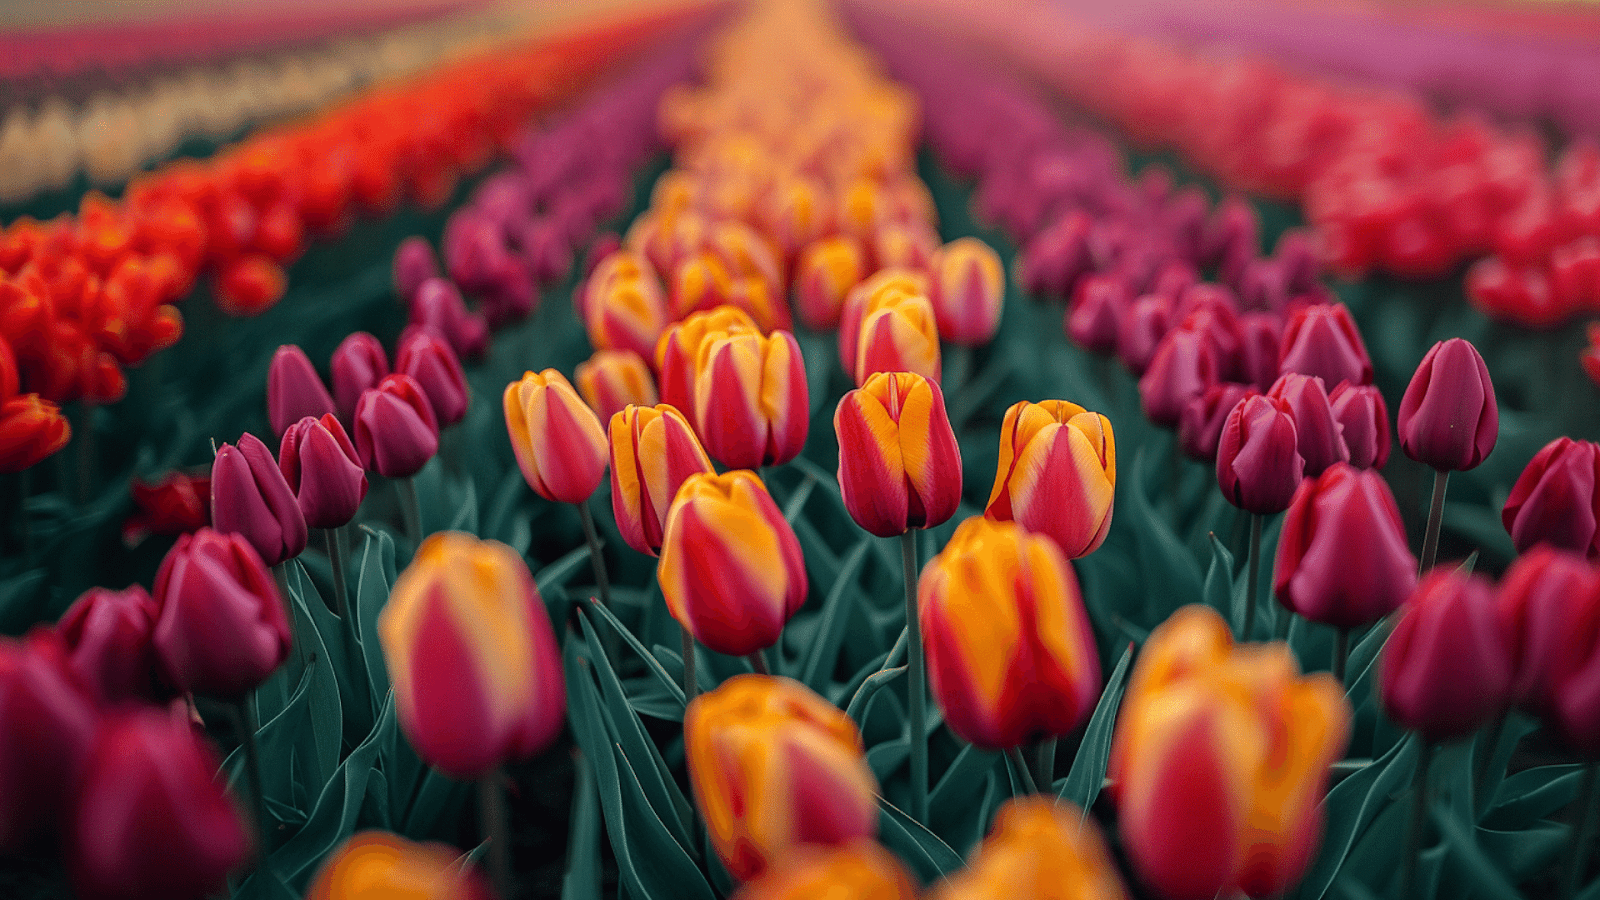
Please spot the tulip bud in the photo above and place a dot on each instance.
(898, 333)
(358, 365)
(249, 496)
(1342, 556)
(322, 468)
(751, 401)
(1573, 709)
(294, 390)
(653, 451)
(222, 627)
(612, 379)
(396, 433)
(861, 870)
(1185, 364)
(425, 356)
(1556, 499)
(1040, 850)
(967, 286)
(825, 273)
(1322, 340)
(1446, 670)
(1144, 324)
(678, 351)
(414, 263)
(1035, 673)
(177, 504)
(375, 864)
(899, 465)
(1258, 458)
(774, 768)
(700, 282)
(1200, 426)
(1098, 306)
(476, 673)
(862, 298)
(903, 245)
(31, 430)
(108, 640)
(1220, 761)
(1536, 602)
(1260, 348)
(178, 833)
(624, 307)
(1318, 434)
(1364, 417)
(1448, 417)
(731, 569)
(1057, 474)
(438, 305)
(50, 720)
(557, 439)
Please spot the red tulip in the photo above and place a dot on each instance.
(1342, 556)
(50, 720)
(358, 365)
(1556, 499)
(1364, 417)
(1258, 458)
(395, 431)
(1200, 426)
(1448, 416)
(322, 468)
(1446, 670)
(1322, 340)
(294, 389)
(250, 497)
(426, 356)
(109, 640)
(1537, 603)
(1319, 435)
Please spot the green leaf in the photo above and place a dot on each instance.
(1171, 575)
(1218, 589)
(557, 573)
(817, 667)
(673, 688)
(372, 592)
(466, 517)
(797, 501)
(1535, 793)
(1485, 875)
(920, 849)
(1351, 807)
(582, 881)
(1088, 771)
(871, 686)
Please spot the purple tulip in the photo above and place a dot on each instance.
(1259, 465)
(321, 466)
(294, 390)
(1448, 417)
(250, 497)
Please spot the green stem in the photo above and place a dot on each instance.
(495, 818)
(1280, 629)
(1252, 577)
(758, 662)
(1341, 652)
(1419, 818)
(280, 574)
(917, 685)
(243, 713)
(1430, 541)
(691, 687)
(334, 539)
(1044, 761)
(1021, 765)
(410, 509)
(1582, 833)
(602, 584)
(1491, 746)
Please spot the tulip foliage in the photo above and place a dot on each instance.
(604, 489)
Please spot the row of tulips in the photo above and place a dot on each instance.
(83, 296)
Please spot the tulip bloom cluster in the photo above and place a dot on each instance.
(1220, 760)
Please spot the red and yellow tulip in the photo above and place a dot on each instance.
(557, 439)
(653, 451)
(899, 465)
(1057, 474)
(1040, 850)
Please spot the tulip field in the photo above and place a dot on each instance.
(795, 450)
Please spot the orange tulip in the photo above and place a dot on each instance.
(899, 464)
(377, 865)
(557, 439)
(795, 213)
(774, 767)
(1011, 657)
(860, 870)
(653, 451)
(898, 334)
(826, 271)
(678, 350)
(476, 673)
(622, 304)
(903, 245)
(967, 286)
(864, 295)
(700, 282)
(752, 406)
(1057, 474)
(31, 429)
(731, 570)
(1220, 761)
(612, 379)
(1040, 850)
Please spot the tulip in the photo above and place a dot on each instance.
(358, 365)
(775, 768)
(1556, 499)
(899, 465)
(624, 307)
(825, 273)
(967, 286)
(323, 469)
(612, 379)
(746, 254)
(414, 263)
(700, 282)
(108, 636)
(1448, 417)
(152, 820)
(861, 870)
(751, 401)
(249, 496)
(1322, 340)
(1220, 760)
(1200, 426)
(177, 504)
(898, 333)
(50, 720)
(294, 390)
(1057, 474)
(653, 451)
(863, 297)
(1536, 602)
(1342, 557)
(427, 357)
(903, 245)
(1186, 362)
(10, 379)
(1258, 458)
(438, 304)
(471, 654)
(373, 865)
(731, 570)
(1318, 434)
(32, 429)
(1446, 669)
(1364, 417)
(1094, 318)
(222, 627)
(1040, 850)
(557, 439)
(678, 351)
(1144, 323)
(396, 433)
(1034, 672)
(1260, 348)
(1573, 708)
